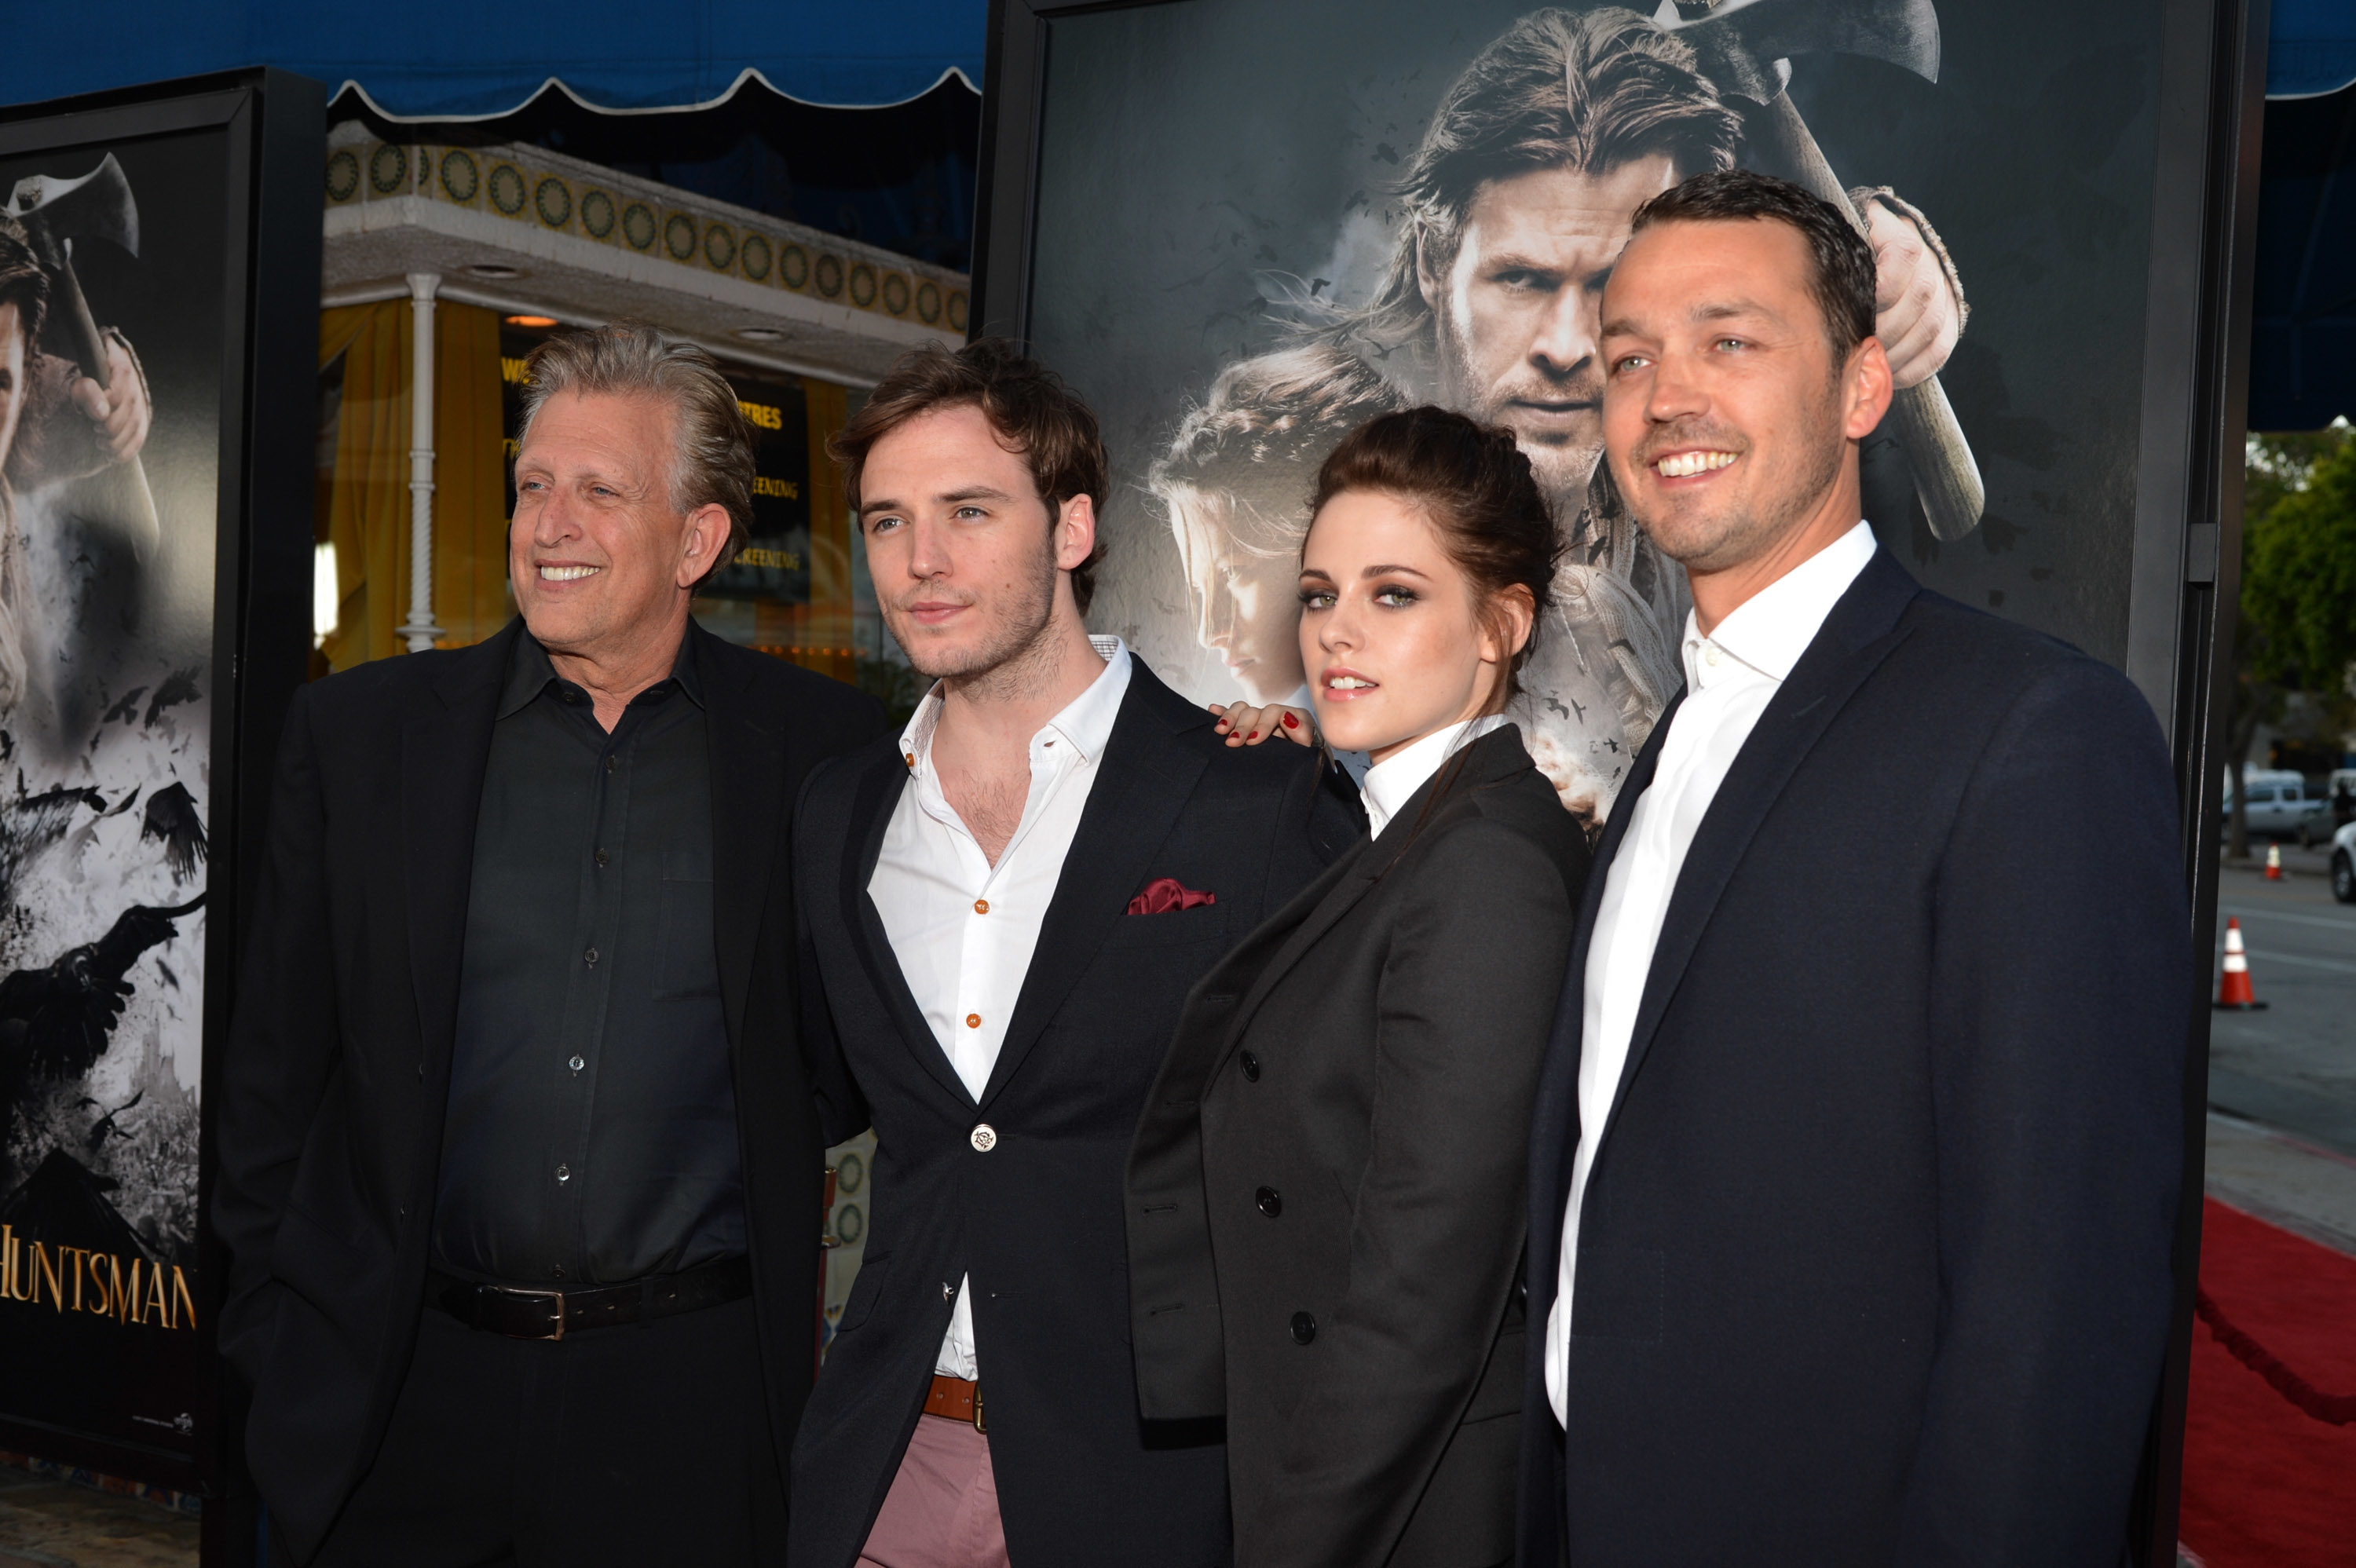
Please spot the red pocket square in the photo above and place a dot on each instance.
(1164, 894)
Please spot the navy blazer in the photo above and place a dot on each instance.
(1873, 1265)
(1034, 1219)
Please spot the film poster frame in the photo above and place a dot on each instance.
(275, 147)
(2186, 565)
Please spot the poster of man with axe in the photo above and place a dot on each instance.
(75, 419)
(1485, 166)
(108, 458)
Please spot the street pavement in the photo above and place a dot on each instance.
(2282, 1082)
(46, 1523)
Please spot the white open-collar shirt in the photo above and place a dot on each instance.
(962, 929)
(1731, 677)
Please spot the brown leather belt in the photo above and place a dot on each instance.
(955, 1399)
(522, 1314)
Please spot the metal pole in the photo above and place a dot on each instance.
(421, 631)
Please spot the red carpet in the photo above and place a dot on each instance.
(2266, 1485)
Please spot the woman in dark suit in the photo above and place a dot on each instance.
(1326, 1189)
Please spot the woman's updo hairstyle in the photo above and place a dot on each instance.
(1477, 489)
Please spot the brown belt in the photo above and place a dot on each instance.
(522, 1314)
(955, 1399)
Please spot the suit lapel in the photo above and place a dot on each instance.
(443, 752)
(872, 804)
(1320, 906)
(1145, 779)
(1856, 636)
(747, 763)
(1209, 1023)
(1557, 1099)
(1296, 928)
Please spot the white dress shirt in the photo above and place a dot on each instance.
(1392, 783)
(1731, 677)
(962, 929)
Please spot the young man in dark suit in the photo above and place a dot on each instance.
(519, 1165)
(1007, 903)
(1855, 1155)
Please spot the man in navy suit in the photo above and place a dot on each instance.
(1006, 906)
(1857, 1149)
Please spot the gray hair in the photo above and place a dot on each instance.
(712, 460)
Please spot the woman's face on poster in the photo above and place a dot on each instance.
(1247, 604)
(12, 373)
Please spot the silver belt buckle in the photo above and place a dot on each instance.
(555, 1295)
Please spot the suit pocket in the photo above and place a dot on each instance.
(1177, 928)
(686, 964)
(1620, 1294)
(1499, 1391)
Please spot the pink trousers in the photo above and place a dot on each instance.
(942, 1510)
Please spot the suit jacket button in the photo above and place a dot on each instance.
(1304, 1327)
(1250, 1066)
(984, 1137)
(1270, 1202)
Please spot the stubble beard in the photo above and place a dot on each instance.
(1714, 542)
(1016, 656)
(1564, 468)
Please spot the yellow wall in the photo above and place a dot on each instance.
(368, 496)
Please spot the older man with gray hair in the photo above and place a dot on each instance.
(518, 1163)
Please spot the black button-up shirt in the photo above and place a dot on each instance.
(592, 1128)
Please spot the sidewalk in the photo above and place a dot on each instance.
(2306, 1189)
(2296, 862)
(49, 1523)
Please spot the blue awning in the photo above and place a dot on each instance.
(444, 59)
(2311, 47)
(2303, 326)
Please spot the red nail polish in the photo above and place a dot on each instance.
(1253, 736)
(1290, 722)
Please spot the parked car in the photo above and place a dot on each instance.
(2311, 819)
(2340, 789)
(2343, 864)
(2281, 806)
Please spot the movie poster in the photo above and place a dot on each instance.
(112, 299)
(1260, 222)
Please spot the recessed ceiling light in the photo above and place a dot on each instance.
(531, 321)
(760, 335)
(495, 270)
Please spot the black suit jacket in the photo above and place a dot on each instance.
(338, 1066)
(1873, 1264)
(1364, 1063)
(1036, 1220)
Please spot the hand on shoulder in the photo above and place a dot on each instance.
(1245, 725)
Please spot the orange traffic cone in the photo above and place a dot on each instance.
(2274, 863)
(2233, 986)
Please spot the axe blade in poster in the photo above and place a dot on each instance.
(1904, 33)
(56, 213)
(1747, 46)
